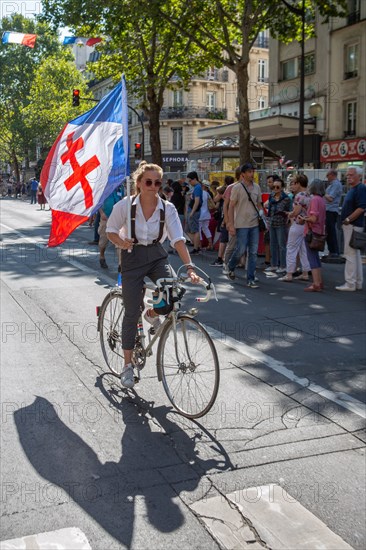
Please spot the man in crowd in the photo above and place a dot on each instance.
(352, 218)
(33, 190)
(243, 222)
(105, 211)
(332, 197)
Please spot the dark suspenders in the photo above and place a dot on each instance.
(161, 223)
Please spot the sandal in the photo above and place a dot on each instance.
(303, 278)
(286, 279)
(313, 288)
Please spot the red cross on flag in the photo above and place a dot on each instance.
(86, 163)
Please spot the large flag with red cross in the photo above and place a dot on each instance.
(86, 163)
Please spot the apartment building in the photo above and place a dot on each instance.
(210, 100)
(334, 95)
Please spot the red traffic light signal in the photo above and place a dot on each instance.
(75, 98)
(138, 150)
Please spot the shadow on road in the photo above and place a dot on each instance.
(113, 493)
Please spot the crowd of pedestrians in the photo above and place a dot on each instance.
(299, 220)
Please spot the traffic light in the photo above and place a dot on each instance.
(75, 98)
(137, 150)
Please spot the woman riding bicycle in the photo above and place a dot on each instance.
(152, 221)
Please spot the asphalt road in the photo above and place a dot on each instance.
(127, 470)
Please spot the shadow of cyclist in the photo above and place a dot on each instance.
(111, 493)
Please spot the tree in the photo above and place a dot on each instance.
(18, 65)
(50, 97)
(227, 29)
(141, 44)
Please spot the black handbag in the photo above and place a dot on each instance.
(316, 241)
(358, 240)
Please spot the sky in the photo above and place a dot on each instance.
(27, 8)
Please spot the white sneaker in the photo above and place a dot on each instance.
(127, 378)
(153, 321)
(345, 288)
(270, 269)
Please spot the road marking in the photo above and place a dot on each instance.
(265, 516)
(71, 538)
(340, 398)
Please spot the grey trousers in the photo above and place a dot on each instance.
(144, 261)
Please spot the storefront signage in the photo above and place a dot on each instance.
(172, 159)
(343, 150)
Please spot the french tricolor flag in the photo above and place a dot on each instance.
(10, 37)
(80, 40)
(88, 160)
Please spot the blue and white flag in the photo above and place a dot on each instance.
(86, 163)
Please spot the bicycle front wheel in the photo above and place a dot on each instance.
(189, 367)
(110, 331)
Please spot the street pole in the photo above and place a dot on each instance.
(142, 131)
(302, 90)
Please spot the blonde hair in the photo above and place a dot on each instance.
(141, 169)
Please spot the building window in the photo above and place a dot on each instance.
(262, 70)
(261, 102)
(177, 139)
(211, 101)
(309, 63)
(177, 98)
(212, 73)
(351, 61)
(351, 116)
(289, 69)
(262, 40)
(353, 11)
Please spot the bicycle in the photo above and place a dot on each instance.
(187, 362)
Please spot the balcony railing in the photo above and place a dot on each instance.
(353, 18)
(263, 79)
(217, 75)
(349, 133)
(261, 43)
(192, 112)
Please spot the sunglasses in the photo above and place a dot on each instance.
(149, 183)
(276, 187)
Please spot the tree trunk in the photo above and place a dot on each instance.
(155, 102)
(15, 163)
(241, 71)
(154, 129)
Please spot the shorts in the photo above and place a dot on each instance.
(193, 223)
(224, 235)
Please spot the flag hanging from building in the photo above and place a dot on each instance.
(86, 163)
(81, 40)
(10, 37)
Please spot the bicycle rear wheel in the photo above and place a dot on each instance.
(110, 331)
(189, 367)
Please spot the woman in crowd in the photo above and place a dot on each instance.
(295, 240)
(147, 257)
(279, 205)
(219, 215)
(315, 222)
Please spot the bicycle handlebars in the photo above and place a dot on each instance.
(166, 281)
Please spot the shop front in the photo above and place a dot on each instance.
(342, 153)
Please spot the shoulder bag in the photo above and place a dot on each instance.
(261, 223)
(358, 240)
(315, 240)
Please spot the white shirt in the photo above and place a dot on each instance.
(146, 231)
